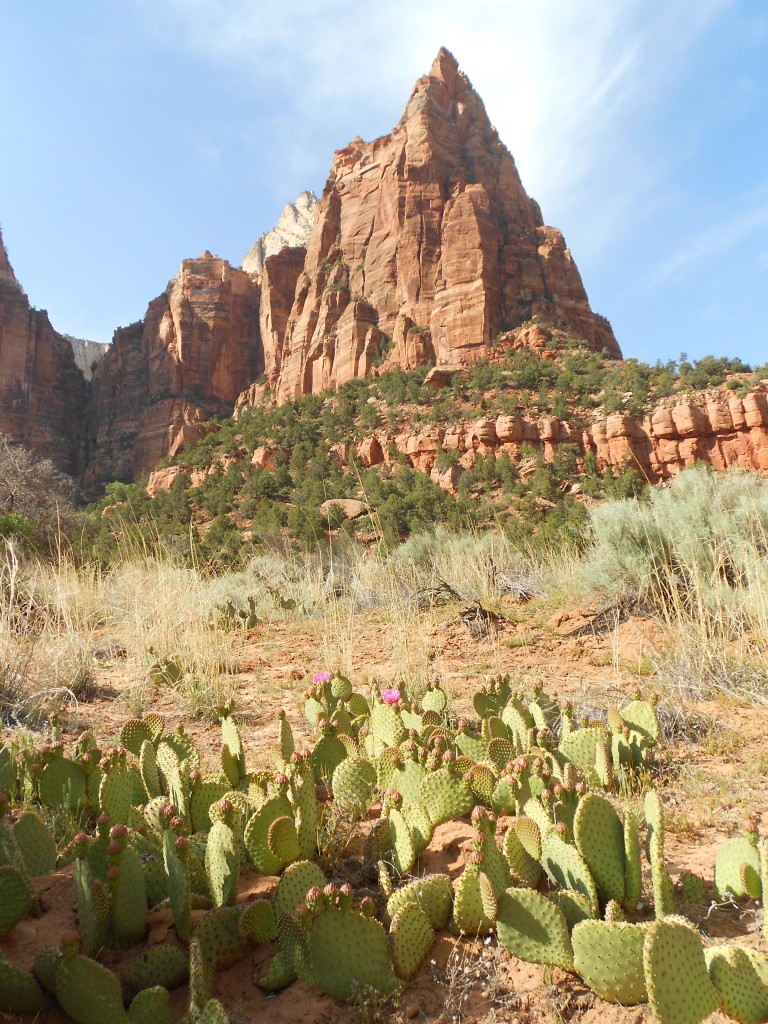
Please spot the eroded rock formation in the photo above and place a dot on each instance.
(42, 391)
(292, 231)
(425, 247)
(184, 363)
(724, 431)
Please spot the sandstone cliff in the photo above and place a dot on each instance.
(42, 391)
(425, 247)
(87, 353)
(184, 363)
(292, 230)
(722, 430)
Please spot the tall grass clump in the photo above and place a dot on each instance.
(694, 554)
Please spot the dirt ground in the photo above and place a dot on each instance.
(712, 772)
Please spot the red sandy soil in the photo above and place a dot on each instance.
(708, 783)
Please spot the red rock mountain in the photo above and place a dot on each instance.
(425, 248)
(162, 377)
(42, 391)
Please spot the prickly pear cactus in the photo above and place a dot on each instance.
(15, 900)
(412, 937)
(152, 1006)
(474, 901)
(222, 864)
(532, 928)
(19, 992)
(566, 868)
(742, 992)
(36, 844)
(89, 992)
(353, 784)
(297, 880)
(257, 922)
(350, 953)
(609, 957)
(432, 893)
(737, 867)
(164, 965)
(599, 835)
(679, 987)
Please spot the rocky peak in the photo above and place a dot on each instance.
(425, 249)
(291, 231)
(6, 270)
(87, 353)
(446, 68)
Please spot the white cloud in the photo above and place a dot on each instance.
(733, 228)
(565, 83)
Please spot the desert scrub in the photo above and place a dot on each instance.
(695, 547)
(693, 554)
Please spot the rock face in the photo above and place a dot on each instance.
(723, 431)
(161, 378)
(87, 353)
(291, 231)
(424, 248)
(42, 391)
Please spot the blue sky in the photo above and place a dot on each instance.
(136, 133)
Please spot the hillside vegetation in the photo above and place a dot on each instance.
(238, 509)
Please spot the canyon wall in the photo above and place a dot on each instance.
(722, 430)
(164, 376)
(42, 391)
(425, 248)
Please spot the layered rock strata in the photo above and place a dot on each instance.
(424, 249)
(723, 431)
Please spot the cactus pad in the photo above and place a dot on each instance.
(599, 835)
(349, 954)
(354, 781)
(63, 785)
(152, 1006)
(256, 835)
(19, 992)
(574, 906)
(15, 899)
(523, 867)
(743, 994)
(297, 880)
(278, 976)
(411, 937)
(165, 965)
(89, 992)
(533, 929)
(432, 893)
(444, 797)
(679, 988)
(36, 844)
(474, 902)
(257, 922)
(566, 868)
(219, 937)
(609, 957)
(737, 870)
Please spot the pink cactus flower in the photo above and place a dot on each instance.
(390, 696)
(321, 677)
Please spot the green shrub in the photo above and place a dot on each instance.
(695, 548)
